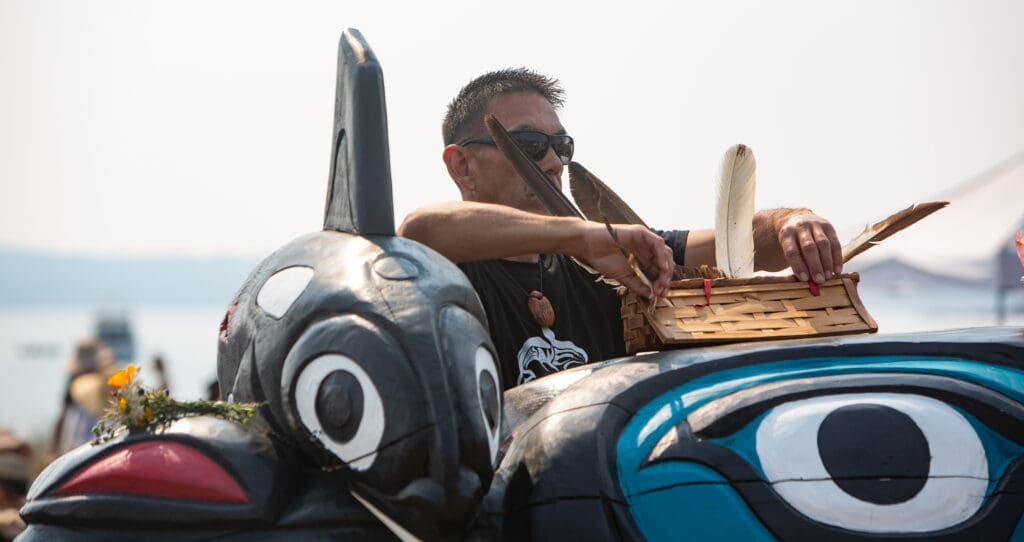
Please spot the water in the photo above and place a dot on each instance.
(37, 341)
(899, 310)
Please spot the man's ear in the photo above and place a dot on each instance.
(457, 161)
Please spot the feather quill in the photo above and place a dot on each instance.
(875, 233)
(734, 216)
(597, 200)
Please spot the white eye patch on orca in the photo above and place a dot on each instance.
(282, 289)
(794, 447)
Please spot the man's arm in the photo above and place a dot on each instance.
(795, 238)
(467, 231)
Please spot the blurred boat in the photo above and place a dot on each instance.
(37, 350)
(115, 330)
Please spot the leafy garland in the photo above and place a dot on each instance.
(134, 408)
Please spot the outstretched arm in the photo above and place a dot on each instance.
(795, 238)
(467, 231)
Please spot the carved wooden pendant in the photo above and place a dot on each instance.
(541, 310)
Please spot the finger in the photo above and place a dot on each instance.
(791, 250)
(649, 251)
(634, 284)
(658, 261)
(649, 271)
(824, 250)
(837, 248)
(657, 271)
(669, 265)
(811, 257)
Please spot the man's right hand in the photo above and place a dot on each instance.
(654, 257)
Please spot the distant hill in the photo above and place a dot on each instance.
(30, 277)
(892, 272)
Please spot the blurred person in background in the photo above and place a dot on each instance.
(161, 373)
(85, 397)
(14, 480)
(213, 390)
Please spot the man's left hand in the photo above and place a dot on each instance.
(810, 246)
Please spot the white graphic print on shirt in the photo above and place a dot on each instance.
(543, 355)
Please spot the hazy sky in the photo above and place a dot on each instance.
(204, 127)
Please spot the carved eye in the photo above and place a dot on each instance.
(880, 463)
(476, 383)
(886, 453)
(342, 408)
(490, 400)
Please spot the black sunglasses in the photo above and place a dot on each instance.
(535, 144)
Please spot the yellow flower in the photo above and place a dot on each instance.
(122, 377)
(149, 414)
(122, 404)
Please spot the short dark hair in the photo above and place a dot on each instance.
(466, 112)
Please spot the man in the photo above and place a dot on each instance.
(85, 397)
(519, 258)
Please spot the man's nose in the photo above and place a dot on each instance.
(551, 165)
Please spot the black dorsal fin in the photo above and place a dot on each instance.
(359, 192)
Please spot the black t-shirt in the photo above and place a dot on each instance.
(588, 323)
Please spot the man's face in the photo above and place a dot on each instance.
(492, 178)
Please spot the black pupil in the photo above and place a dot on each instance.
(874, 452)
(488, 389)
(339, 405)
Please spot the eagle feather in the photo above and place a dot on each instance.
(734, 216)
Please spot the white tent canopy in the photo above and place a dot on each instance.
(971, 240)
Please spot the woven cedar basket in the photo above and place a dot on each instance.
(744, 310)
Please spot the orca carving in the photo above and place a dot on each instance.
(370, 352)
(383, 415)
